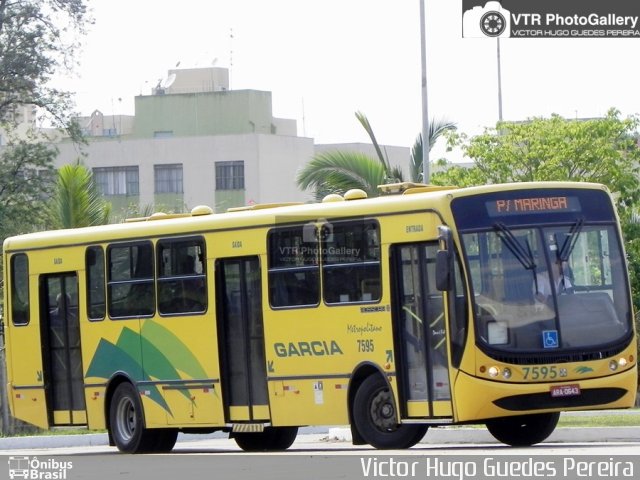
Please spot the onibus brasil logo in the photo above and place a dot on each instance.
(36, 469)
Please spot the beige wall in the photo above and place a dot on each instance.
(270, 163)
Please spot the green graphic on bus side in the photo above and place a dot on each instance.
(164, 354)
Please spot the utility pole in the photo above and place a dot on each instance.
(425, 112)
(499, 83)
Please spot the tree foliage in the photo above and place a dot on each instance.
(37, 39)
(437, 128)
(78, 201)
(602, 150)
(26, 170)
(339, 171)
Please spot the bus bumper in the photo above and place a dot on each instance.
(500, 399)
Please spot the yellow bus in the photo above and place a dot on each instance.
(500, 305)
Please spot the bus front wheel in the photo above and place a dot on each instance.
(271, 439)
(523, 430)
(375, 417)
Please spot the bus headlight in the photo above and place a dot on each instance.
(493, 372)
(613, 365)
(506, 373)
(622, 362)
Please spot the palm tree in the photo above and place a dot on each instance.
(338, 171)
(392, 174)
(436, 129)
(78, 202)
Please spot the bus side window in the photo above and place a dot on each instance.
(96, 305)
(351, 262)
(182, 286)
(20, 289)
(293, 258)
(130, 283)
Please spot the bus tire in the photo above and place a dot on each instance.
(163, 440)
(271, 439)
(523, 430)
(126, 421)
(375, 417)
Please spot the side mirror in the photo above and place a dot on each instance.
(444, 260)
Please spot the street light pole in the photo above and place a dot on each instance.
(425, 116)
(499, 83)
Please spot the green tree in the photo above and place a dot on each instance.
(78, 201)
(338, 171)
(602, 150)
(37, 39)
(26, 170)
(437, 128)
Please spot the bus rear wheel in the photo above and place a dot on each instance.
(126, 421)
(523, 430)
(271, 439)
(375, 417)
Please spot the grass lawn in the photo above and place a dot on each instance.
(624, 418)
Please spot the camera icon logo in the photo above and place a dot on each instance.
(489, 21)
(317, 231)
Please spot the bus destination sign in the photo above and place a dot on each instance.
(524, 206)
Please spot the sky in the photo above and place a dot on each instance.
(325, 60)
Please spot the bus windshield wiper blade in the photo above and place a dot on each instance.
(570, 240)
(524, 256)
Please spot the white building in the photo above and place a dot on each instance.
(193, 141)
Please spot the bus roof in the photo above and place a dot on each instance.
(202, 219)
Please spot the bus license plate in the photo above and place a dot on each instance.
(565, 390)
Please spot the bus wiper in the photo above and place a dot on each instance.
(522, 254)
(570, 240)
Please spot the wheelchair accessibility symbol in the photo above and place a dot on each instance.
(550, 339)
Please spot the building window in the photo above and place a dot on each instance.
(230, 175)
(163, 134)
(168, 178)
(117, 180)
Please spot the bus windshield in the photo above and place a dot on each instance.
(542, 285)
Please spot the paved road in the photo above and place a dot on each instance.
(625, 440)
(456, 453)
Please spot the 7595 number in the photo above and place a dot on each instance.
(540, 373)
(365, 346)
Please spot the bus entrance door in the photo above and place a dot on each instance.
(420, 333)
(241, 339)
(61, 353)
